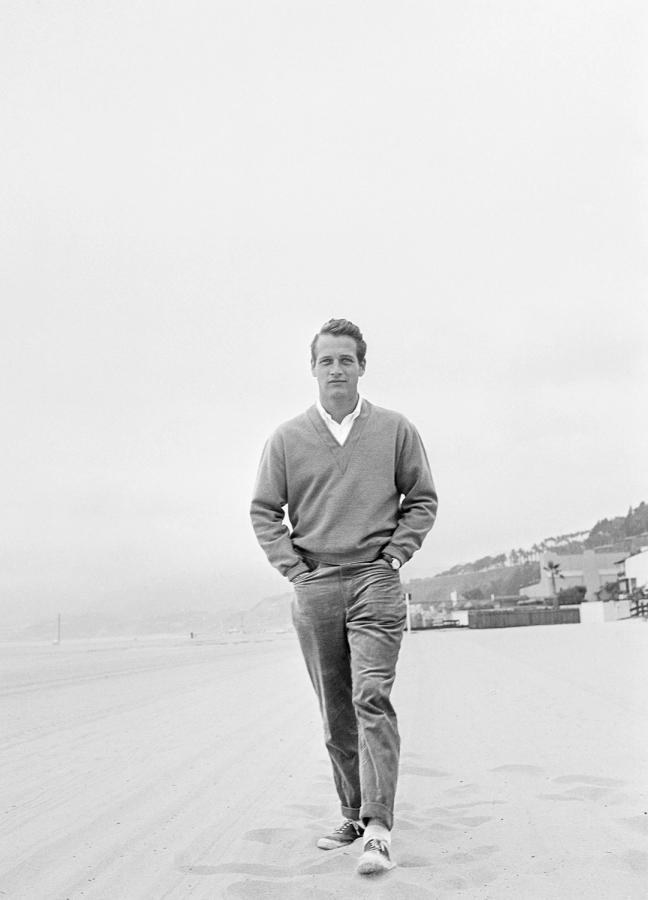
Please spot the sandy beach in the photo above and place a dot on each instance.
(172, 768)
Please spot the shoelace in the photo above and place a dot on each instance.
(377, 846)
(345, 826)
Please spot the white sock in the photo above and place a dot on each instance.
(375, 830)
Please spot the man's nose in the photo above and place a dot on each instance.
(336, 368)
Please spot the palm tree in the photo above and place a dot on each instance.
(554, 572)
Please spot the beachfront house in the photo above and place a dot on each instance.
(633, 572)
(591, 569)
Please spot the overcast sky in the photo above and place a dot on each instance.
(190, 189)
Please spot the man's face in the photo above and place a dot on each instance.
(336, 368)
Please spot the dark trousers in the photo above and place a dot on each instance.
(350, 621)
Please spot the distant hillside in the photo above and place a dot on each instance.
(623, 528)
(103, 625)
(271, 614)
(621, 533)
(474, 586)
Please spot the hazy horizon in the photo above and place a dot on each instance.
(191, 191)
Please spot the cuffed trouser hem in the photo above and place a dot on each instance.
(350, 812)
(377, 811)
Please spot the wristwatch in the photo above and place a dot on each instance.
(393, 561)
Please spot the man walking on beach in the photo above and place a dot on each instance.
(356, 484)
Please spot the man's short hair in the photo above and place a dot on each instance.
(341, 327)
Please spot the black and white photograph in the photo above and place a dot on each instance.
(324, 457)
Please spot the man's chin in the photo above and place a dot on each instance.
(338, 391)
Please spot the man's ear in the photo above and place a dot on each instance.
(363, 366)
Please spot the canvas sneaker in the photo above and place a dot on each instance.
(375, 858)
(344, 834)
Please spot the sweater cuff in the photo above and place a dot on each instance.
(396, 553)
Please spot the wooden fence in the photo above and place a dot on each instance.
(508, 618)
(639, 608)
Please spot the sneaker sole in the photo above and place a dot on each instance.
(329, 844)
(373, 864)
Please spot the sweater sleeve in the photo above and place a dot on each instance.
(419, 501)
(267, 511)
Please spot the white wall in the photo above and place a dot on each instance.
(593, 612)
(637, 567)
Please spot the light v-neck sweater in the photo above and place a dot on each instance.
(345, 504)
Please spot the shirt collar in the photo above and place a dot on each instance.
(349, 418)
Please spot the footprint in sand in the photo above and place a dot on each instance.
(581, 792)
(586, 788)
(412, 861)
(447, 812)
(455, 884)
(440, 827)
(518, 769)
(424, 771)
(637, 823)
(400, 890)
(594, 781)
(468, 857)
(283, 836)
(476, 879)
(312, 811)
(406, 825)
(453, 818)
(477, 803)
(239, 869)
(631, 860)
(473, 821)
(462, 789)
(269, 890)
(335, 862)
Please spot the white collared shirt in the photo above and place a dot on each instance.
(339, 430)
